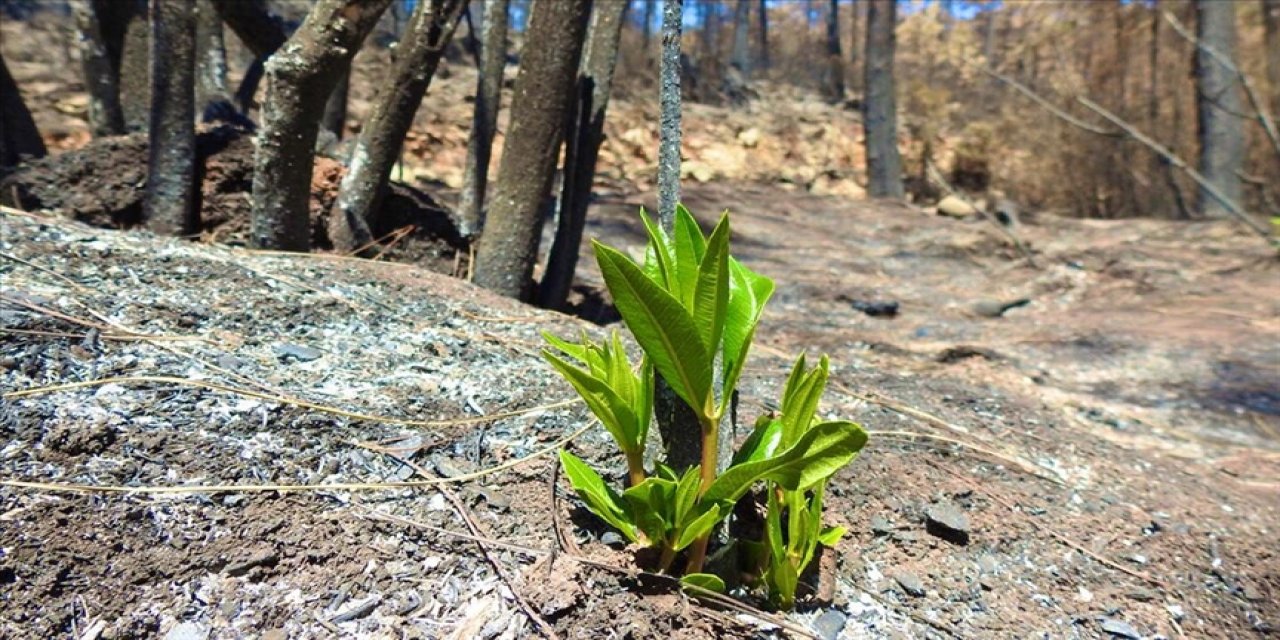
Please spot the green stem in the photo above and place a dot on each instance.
(668, 555)
(635, 466)
(710, 457)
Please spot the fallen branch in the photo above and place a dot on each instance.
(1049, 106)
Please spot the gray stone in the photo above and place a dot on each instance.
(612, 539)
(1120, 629)
(881, 526)
(298, 352)
(910, 583)
(188, 631)
(829, 625)
(948, 522)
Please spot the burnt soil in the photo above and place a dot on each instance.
(1111, 445)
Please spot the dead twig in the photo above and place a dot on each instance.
(1049, 106)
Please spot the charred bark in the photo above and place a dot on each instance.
(100, 68)
(19, 138)
(740, 57)
(300, 78)
(375, 152)
(170, 205)
(334, 119)
(583, 146)
(669, 113)
(541, 102)
(484, 119)
(764, 34)
(835, 65)
(1220, 129)
(134, 63)
(261, 31)
(213, 100)
(879, 109)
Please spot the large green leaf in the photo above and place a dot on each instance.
(614, 412)
(661, 325)
(689, 247)
(711, 294)
(659, 255)
(699, 527)
(599, 498)
(816, 456)
(748, 293)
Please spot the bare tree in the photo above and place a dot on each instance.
(595, 79)
(763, 15)
(300, 78)
(1221, 131)
(334, 119)
(879, 109)
(542, 100)
(741, 55)
(134, 62)
(835, 63)
(669, 113)
(1271, 43)
(484, 119)
(100, 68)
(170, 206)
(19, 138)
(375, 152)
(212, 96)
(650, 6)
(262, 31)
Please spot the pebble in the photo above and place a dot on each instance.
(829, 625)
(612, 539)
(910, 583)
(265, 557)
(297, 351)
(358, 609)
(948, 522)
(881, 526)
(1120, 629)
(188, 631)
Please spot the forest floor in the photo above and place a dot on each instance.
(1110, 447)
(1101, 461)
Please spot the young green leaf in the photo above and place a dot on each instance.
(762, 443)
(651, 505)
(703, 582)
(613, 411)
(689, 247)
(660, 324)
(782, 579)
(801, 403)
(699, 527)
(816, 456)
(748, 293)
(711, 293)
(599, 498)
(659, 254)
(831, 535)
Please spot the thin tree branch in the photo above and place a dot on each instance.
(1049, 106)
(1168, 155)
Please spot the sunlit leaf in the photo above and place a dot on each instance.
(699, 527)
(703, 581)
(599, 498)
(711, 295)
(816, 456)
(762, 442)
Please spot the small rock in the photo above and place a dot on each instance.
(910, 583)
(948, 522)
(1120, 629)
(829, 624)
(612, 539)
(1142, 594)
(274, 634)
(260, 558)
(358, 609)
(955, 207)
(997, 308)
(298, 352)
(188, 631)
(876, 308)
(880, 526)
(749, 137)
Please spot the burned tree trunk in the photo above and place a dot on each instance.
(583, 145)
(378, 146)
(334, 119)
(1220, 129)
(647, 28)
(669, 113)
(261, 31)
(1271, 43)
(212, 98)
(19, 138)
(879, 109)
(134, 63)
(484, 119)
(300, 78)
(100, 67)
(542, 100)
(740, 57)
(764, 34)
(835, 65)
(170, 205)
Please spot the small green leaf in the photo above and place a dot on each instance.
(687, 492)
(748, 293)
(660, 324)
(762, 443)
(831, 535)
(689, 247)
(801, 403)
(599, 498)
(816, 456)
(703, 581)
(613, 411)
(782, 579)
(651, 505)
(659, 254)
(699, 527)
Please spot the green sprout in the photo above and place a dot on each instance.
(691, 306)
